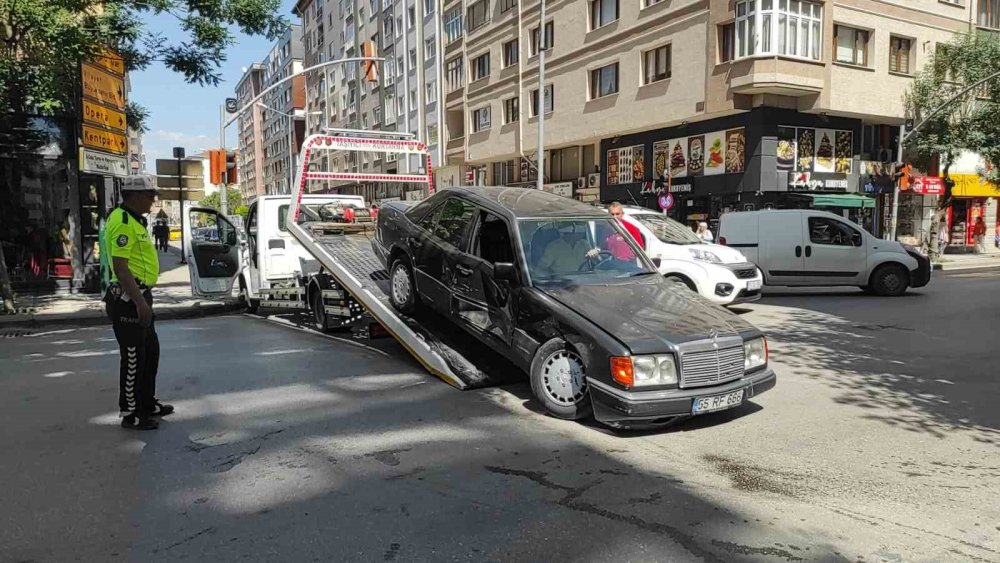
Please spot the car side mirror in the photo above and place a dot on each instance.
(656, 262)
(504, 271)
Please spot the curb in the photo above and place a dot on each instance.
(948, 267)
(98, 317)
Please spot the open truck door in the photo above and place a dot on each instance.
(212, 247)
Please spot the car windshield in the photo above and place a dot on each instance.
(566, 252)
(666, 229)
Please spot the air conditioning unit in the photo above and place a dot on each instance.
(594, 180)
(581, 183)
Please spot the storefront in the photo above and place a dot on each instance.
(753, 160)
(972, 198)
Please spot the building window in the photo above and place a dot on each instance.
(507, 5)
(478, 15)
(453, 25)
(511, 53)
(852, 45)
(511, 112)
(548, 101)
(550, 38)
(387, 28)
(989, 14)
(453, 72)
(411, 14)
(480, 67)
(430, 49)
(399, 67)
(428, 7)
(432, 134)
(783, 27)
(399, 27)
(899, 55)
(656, 64)
(377, 116)
(727, 42)
(604, 81)
(481, 119)
(413, 58)
(430, 92)
(602, 12)
(374, 7)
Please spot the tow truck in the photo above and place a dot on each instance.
(318, 254)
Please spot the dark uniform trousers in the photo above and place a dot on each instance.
(140, 355)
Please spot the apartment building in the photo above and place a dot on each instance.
(405, 97)
(136, 156)
(284, 111)
(727, 104)
(250, 149)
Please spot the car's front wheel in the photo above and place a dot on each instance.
(559, 380)
(402, 291)
(890, 280)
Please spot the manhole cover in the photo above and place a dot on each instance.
(16, 332)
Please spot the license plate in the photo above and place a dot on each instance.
(717, 402)
(753, 285)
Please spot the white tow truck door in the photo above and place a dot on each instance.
(213, 252)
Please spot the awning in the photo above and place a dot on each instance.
(851, 201)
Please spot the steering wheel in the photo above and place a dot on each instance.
(602, 257)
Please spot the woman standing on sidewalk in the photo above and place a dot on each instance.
(979, 234)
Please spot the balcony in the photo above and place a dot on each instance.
(779, 76)
(456, 145)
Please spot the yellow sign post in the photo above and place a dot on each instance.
(111, 61)
(104, 140)
(106, 117)
(103, 87)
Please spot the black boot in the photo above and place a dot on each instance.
(135, 422)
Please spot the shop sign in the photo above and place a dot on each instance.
(626, 165)
(803, 181)
(972, 185)
(805, 149)
(927, 185)
(94, 162)
(680, 188)
(718, 152)
(564, 189)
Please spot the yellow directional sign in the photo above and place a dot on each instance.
(107, 117)
(103, 87)
(111, 61)
(104, 140)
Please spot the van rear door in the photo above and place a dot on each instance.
(781, 249)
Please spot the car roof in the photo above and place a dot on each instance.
(526, 203)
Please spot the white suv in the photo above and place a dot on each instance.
(720, 274)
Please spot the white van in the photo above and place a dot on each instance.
(805, 247)
(721, 275)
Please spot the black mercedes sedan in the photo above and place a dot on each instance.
(561, 289)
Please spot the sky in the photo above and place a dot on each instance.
(187, 115)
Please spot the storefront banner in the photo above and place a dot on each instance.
(736, 150)
(806, 145)
(678, 158)
(715, 158)
(696, 155)
(824, 151)
(844, 155)
(626, 165)
(927, 185)
(972, 185)
(661, 149)
(786, 148)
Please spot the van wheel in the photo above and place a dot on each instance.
(558, 380)
(402, 291)
(319, 310)
(890, 280)
(245, 300)
(682, 280)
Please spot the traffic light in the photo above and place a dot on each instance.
(216, 165)
(369, 68)
(904, 175)
(230, 167)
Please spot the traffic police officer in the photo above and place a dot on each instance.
(129, 299)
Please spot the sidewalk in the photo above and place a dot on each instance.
(951, 262)
(172, 299)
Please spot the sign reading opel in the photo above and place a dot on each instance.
(103, 87)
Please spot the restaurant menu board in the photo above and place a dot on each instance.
(626, 165)
(715, 160)
(660, 151)
(736, 150)
(815, 150)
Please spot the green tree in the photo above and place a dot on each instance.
(948, 125)
(43, 42)
(234, 201)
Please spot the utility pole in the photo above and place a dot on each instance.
(179, 155)
(224, 196)
(895, 189)
(543, 46)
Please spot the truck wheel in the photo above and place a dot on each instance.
(558, 380)
(402, 291)
(890, 280)
(319, 310)
(244, 297)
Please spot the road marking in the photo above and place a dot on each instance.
(286, 323)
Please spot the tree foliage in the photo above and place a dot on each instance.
(42, 43)
(234, 201)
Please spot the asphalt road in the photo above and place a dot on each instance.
(880, 442)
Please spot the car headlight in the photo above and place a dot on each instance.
(644, 371)
(755, 353)
(704, 256)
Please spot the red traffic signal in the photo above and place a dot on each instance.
(369, 68)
